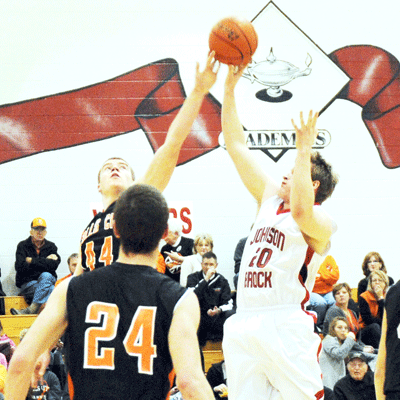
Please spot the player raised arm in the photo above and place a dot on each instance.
(163, 164)
(42, 335)
(315, 225)
(185, 353)
(260, 185)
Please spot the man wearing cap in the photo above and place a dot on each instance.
(36, 264)
(358, 384)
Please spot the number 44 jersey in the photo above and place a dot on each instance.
(117, 336)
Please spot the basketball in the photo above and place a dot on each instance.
(233, 40)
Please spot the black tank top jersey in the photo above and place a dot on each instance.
(392, 306)
(117, 337)
(99, 246)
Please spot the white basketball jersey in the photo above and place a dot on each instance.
(278, 267)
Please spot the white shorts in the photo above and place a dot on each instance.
(272, 354)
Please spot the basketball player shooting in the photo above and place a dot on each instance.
(270, 346)
(99, 246)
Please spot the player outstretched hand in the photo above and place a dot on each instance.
(306, 133)
(206, 79)
(233, 76)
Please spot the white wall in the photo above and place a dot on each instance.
(49, 47)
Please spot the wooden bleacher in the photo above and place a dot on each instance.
(212, 353)
(14, 324)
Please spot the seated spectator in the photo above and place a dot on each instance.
(321, 298)
(203, 243)
(48, 388)
(371, 304)
(214, 295)
(358, 384)
(341, 292)
(73, 261)
(175, 250)
(372, 262)
(336, 346)
(7, 346)
(216, 377)
(36, 264)
(237, 258)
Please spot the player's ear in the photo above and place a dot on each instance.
(316, 184)
(116, 233)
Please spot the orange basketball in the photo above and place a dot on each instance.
(233, 40)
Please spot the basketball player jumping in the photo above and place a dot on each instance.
(99, 247)
(270, 346)
(126, 325)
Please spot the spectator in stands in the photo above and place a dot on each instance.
(321, 298)
(371, 304)
(336, 346)
(7, 346)
(175, 250)
(359, 383)
(341, 292)
(372, 262)
(216, 377)
(203, 243)
(3, 375)
(73, 261)
(36, 264)
(214, 295)
(49, 388)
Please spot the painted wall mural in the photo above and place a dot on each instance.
(70, 103)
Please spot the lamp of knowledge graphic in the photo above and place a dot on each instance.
(274, 74)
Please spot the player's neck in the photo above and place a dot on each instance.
(149, 259)
(109, 199)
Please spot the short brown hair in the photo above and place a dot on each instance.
(340, 286)
(375, 254)
(322, 172)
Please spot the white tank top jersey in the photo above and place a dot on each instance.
(278, 268)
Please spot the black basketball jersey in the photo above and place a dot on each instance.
(99, 246)
(117, 337)
(392, 306)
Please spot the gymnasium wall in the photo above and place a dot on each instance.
(56, 57)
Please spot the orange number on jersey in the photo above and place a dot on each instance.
(106, 255)
(90, 256)
(93, 358)
(139, 340)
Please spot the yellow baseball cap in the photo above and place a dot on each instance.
(38, 222)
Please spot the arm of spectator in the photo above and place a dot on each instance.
(49, 263)
(362, 287)
(21, 263)
(338, 351)
(175, 256)
(186, 270)
(226, 302)
(237, 257)
(366, 314)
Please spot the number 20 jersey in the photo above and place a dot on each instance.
(117, 336)
(278, 267)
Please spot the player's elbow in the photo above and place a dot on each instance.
(189, 385)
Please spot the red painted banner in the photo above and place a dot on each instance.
(147, 98)
(375, 86)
